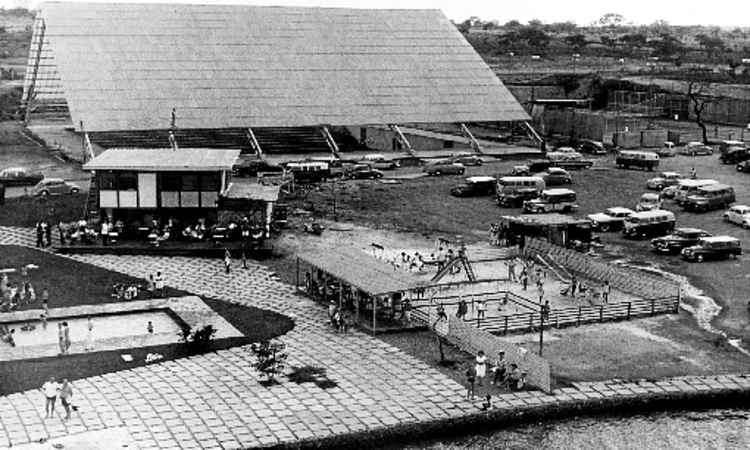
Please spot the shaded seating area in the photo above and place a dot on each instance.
(369, 291)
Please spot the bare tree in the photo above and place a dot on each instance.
(697, 95)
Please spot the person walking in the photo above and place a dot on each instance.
(89, 334)
(66, 397)
(150, 327)
(227, 260)
(150, 285)
(463, 309)
(512, 270)
(50, 389)
(573, 286)
(470, 380)
(605, 292)
(39, 234)
(481, 309)
(524, 279)
(61, 338)
(480, 367)
(47, 233)
(159, 284)
(540, 290)
(66, 337)
(499, 370)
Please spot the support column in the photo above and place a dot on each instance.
(332, 145)
(31, 92)
(254, 144)
(402, 139)
(472, 140)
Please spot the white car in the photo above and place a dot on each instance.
(612, 219)
(669, 191)
(663, 180)
(648, 202)
(738, 214)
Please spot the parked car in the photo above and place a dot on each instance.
(380, 162)
(444, 167)
(738, 214)
(570, 150)
(648, 202)
(513, 191)
(19, 176)
(475, 186)
(552, 200)
(667, 150)
(714, 247)
(744, 166)
(686, 188)
(363, 172)
(569, 160)
(649, 224)
(520, 171)
(724, 146)
(468, 159)
(669, 191)
(679, 239)
(612, 219)
(696, 148)
(645, 160)
(734, 155)
(592, 147)
(250, 167)
(539, 165)
(54, 186)
(555, 176)
(309, 171)
(663, 180)
(713, 196)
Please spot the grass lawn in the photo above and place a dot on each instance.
(72, 283)
(27, 211)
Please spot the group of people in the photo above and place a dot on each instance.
(43, 233)
(499, 372)
(337, 317)
(52, 391)
(578, 289)
(16, 294)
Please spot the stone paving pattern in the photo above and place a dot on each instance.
(214, 401)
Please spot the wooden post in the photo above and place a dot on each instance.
(629, 304)
(297, 285)
(374, 311)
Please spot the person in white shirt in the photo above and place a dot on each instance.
(105, 232)
(50, 389)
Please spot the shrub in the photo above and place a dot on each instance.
(198, 340)
(270, 359)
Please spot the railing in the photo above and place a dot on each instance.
(558, 318)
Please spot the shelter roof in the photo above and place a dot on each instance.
(248, 190)
(164, 159)
(546, 219)
(125, 66)
(361, 270)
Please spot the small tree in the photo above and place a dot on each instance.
(696, 93)
(198, 340)
(270, 359)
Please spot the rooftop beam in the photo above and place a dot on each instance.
(330, 141)
(254, 143)
(402, 139)
(472, 140)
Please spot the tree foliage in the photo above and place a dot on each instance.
(577, 41)
(270, 359)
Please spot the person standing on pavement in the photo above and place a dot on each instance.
(463, 309)
(50, 389)
(61, 338)
(66, 337)
(227, 260)
(89, 334)
(481, 309)
(66, 396)
(470, 379)
(480, 367)
(605, 292)
(159, 284)
(39, 234)
(512, 270)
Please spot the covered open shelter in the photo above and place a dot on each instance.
(351, 277)
(558, 229)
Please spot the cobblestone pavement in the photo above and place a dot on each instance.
(213, 401)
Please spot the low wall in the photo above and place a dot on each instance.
(632, 281)
(472, 340)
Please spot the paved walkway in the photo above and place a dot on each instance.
(214, 401)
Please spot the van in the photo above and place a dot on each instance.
(649, 224)
(713, 196)
(734, 155)
(724, 146)
(552, 200)
(686, 188)
(309, 171)
(645, 160)
(475, 186)
(513, 191)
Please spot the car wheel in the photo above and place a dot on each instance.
(437, 172)
(659, 187)
(73, 191)
(699, 258)
(44, 193)
(604, 227)
(461, 172)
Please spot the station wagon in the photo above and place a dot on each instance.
(716, 247)
(649, 224)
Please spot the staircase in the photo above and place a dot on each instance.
(271, 140)
(91, 212)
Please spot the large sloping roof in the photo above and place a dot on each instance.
(162, 159)
(361, 270)
(125, 66)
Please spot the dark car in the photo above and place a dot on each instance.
(445, 166)
(555, 176)
(592, 147)
(679, 239)
(468, 159)
(364, 172)
(735, 155)
(18, 176)
(250, 167)
(539, 165)
(744, 166)
(715, 247)
(475, 186)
